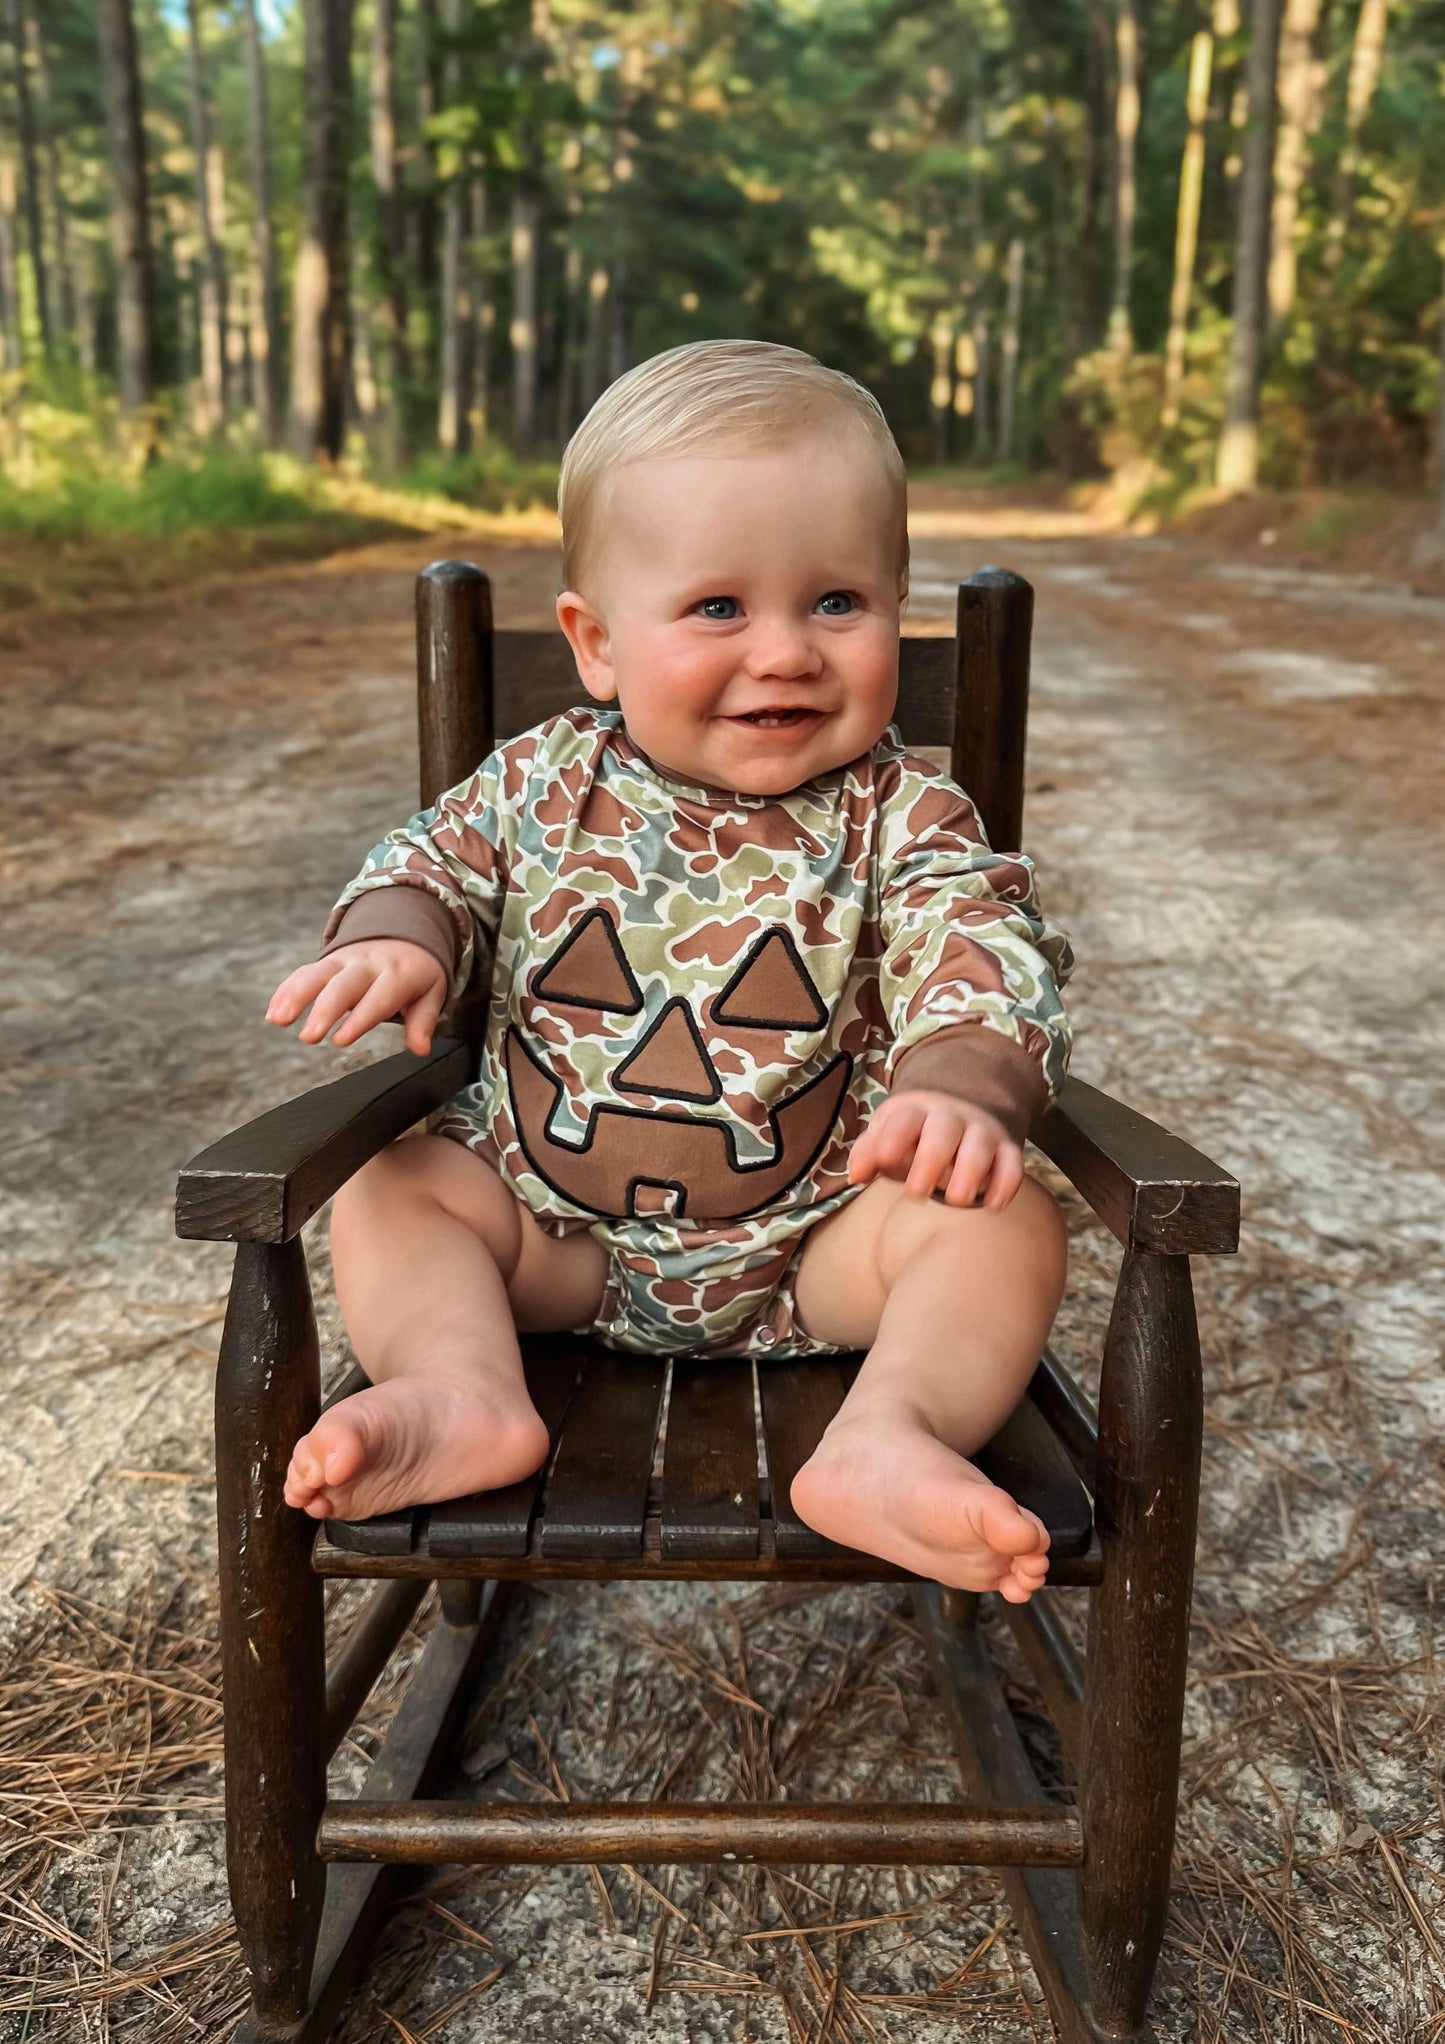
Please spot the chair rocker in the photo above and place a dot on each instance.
(1087, 1882)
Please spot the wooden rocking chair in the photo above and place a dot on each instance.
(1088, 1883)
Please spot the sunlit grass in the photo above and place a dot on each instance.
(84, 514)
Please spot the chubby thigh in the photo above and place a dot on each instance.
(1000, 1271)
(553, 1282)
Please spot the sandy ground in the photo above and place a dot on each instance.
(1234, 800)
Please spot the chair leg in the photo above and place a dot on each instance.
(1146, 1506)
(272, 1631)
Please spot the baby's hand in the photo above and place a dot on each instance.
(936, 1141)
(367, 983)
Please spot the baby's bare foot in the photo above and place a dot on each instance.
(414, 1441)
(880, 1481)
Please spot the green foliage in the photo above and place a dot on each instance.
(844, 175)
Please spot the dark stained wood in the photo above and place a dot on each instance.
(710, 1466)
(500, 1521)
(387, 1533)
(263, 1182)
(1069, 1412)
(1055, 1663)
(658, 1834)
(995, 619)
(1154, 1191)
(410, 1763)
(798, 1400)
(1025, 1459)
(536, 677)
(456, 721)
(1146, 1496)
(596, 1503)
(835, 1565)
(1044, 1901)
(365, 1651)
(273, 1643)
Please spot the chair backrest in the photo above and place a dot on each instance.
(969, 693)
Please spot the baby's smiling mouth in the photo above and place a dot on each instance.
(777, 719)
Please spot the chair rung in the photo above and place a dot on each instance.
(550, 1834)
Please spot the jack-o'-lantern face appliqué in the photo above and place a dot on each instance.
(636, 1161)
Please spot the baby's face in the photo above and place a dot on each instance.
(743, 613)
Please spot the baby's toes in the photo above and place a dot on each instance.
(1008, 1529)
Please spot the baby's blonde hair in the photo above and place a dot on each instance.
(719, 396)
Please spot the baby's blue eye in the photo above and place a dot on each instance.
(722, 608)
(837, 603)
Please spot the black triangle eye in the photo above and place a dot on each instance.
(590, 970)
(771, 989)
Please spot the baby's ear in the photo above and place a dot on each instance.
(586, 631)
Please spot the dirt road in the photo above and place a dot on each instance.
(1234, 798)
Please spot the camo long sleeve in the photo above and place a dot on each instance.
(970, 971)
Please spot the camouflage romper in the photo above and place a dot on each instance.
(698, 999)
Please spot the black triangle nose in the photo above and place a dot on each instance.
(671, 1062)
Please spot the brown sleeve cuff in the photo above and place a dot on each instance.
(981, 1065)
(409, 912)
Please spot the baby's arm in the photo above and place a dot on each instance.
(405, 933)
(970, 979)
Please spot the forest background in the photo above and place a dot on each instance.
(277, 272)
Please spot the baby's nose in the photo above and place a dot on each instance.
(784, 651)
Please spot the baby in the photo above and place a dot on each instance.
(769, 1021)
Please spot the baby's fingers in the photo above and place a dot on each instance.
(336, 997)
(1005, 1178)
(298, 989)
(887, 1142)
(975, 1154)
(378, 1003)
(421, 1018)
(933, 1154)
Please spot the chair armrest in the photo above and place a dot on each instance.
(1153, 1190)
(263, 1182)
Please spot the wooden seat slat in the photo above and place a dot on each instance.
(596, 1494)
(387, 1533)
(710, 1464)
(500, 1521)
(798, 1400)
(1026, 1458)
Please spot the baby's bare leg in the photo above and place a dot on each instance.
(437, 1265)
(954, 1305)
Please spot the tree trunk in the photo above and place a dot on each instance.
(1237, 466)
(599, 290)
(1186, 233)
(455, 309)
(86, 310)
(571, 323)
(1440, 415)
(61, 276)
(1096, 126)
(1126, 194)
(12, 351)
(1012, 322)
(391, 235)
(213, 268)
(428, 94)
(1299, 99)
(30, 173)
(321, 326)
(1365, 60)
(265, 293)
(526, 219)
(486, 312)
(129, 217)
